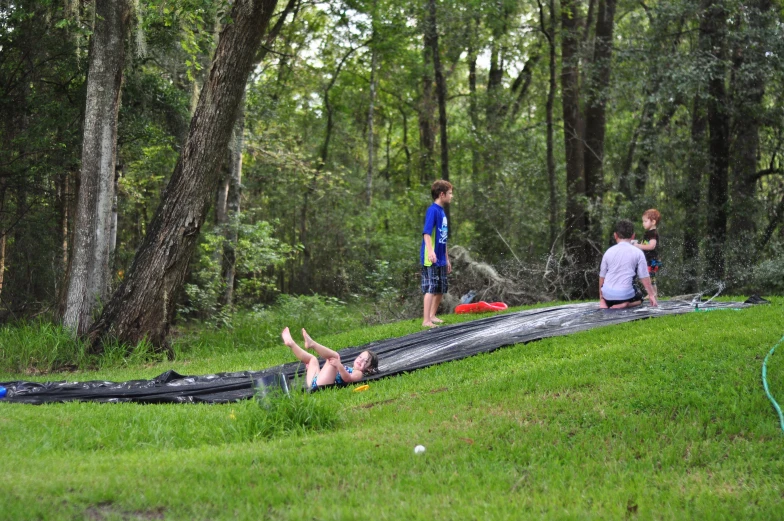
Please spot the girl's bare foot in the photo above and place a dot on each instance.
(286, 336)
(308, 341)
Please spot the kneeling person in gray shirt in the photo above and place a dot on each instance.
(619, 266)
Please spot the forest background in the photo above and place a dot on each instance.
(552, 119)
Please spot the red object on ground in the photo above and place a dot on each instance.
(480, 307)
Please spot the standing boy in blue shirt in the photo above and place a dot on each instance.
(433, 255)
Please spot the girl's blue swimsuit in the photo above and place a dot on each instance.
(338, 379)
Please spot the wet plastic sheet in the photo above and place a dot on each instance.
(396, 355)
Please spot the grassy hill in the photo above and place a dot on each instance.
(657, 419)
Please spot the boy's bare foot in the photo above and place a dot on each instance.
(308, 341)
(428, 324)
(437, 320)
(286, 336)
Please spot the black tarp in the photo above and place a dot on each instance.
(396, 355)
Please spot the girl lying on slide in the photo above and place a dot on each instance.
(333, 372)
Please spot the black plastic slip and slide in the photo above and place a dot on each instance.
(396, 356)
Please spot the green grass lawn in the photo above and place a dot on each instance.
(656, 419)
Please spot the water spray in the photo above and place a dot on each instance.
(696, 300)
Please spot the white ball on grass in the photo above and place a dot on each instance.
(419, 449)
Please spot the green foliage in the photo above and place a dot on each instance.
(280, 414)
(315, 312)
(769, 274)
(41, 347)
(255, 251)
(306, 156)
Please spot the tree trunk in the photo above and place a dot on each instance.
(748, 88)
(234, 197)
(405, 145)
(370, 128)
(595, 120)
(90, 275)
(493, 110)
(115, 213)
(427, 138)
(144, 304)
(570, 100)
(691, 198)
(550, 34)
(64, 202)
(431, 34)
(713, 30)
(2, 259)
(473, 113)
(222, 194)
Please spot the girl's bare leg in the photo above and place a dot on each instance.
(327, 375)
(303, 356)
(323, 351)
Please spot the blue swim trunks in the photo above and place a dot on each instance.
(338, 379)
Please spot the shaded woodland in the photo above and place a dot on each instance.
(189, 158)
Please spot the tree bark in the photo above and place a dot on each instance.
(405, 145)
(90, 275)
(550, 34)
(691, 197)
(551, 174)
(144, 304)
(473, 113)
(441, 90)
(233, 200)
(573, 130)
(714, 31)
(595, 121)
(2, 260)
(749, 76)
(370, 128)
(427, 140)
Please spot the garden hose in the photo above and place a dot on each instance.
(765, 383)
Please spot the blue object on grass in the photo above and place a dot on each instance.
(468, 297)
(3, 392)
(765, 383)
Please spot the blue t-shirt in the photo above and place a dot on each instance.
(435, 226)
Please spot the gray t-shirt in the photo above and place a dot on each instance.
(619, 265)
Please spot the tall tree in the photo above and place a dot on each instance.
(691, 195)
(574, 225)
(371, 145)
(550, 34)
(750, 72)
(144, 304)
(431, 40)
(713, 33)
(425, 113)
(90, 275)
(595, 121)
